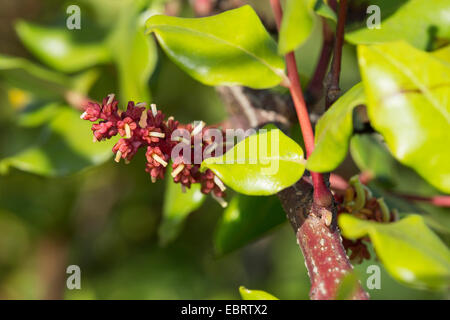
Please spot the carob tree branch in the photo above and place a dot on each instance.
(322, 195)
(333, 89)
(338, 183)
(315, 86)
(316, 233)
(321, 245)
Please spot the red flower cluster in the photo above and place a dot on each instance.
(144, 128)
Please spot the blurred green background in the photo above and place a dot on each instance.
(63, 200)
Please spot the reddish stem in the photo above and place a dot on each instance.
(333, 90)
(322, 194)
(340, 184)
(440, 201)
(315, 86)
(325, 259)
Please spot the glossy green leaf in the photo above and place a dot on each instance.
(333, 131)
(62, 147)
(262, 164)
(349, 284)
(177, 206)
(57, 47)
(419, 22)
(245, 220)
(231, 48)
(436, 217)
(296, 25)
(410, 251)
(407, 93)
(373, 157)
(324, 10)
(23, 74)
(247, 294)
(136, 56)
(443, 54)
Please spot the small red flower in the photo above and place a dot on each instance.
(126, 127)
(134, 111)
(92, 112)
(156, 162)
(126, 149)
(104, 130)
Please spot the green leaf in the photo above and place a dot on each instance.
(245, 220)
(57, 47)
(35, 115)
(443, 54)
(373, 157)
(419, 22)
(23, 74)
(177, 206)
(324, 10)
(231, 48)
(333, 131)
(349, 284)
(262, 164)
(247, 294)
(407, 94)
(136, 56)
(296, 25)
(436, 217)
(410, 251)
(62, 147)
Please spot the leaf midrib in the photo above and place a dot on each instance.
(422, 87)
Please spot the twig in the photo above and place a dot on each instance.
(315, 86)
(333, 89)
(440, 201)
(338, 183)
(322, 196)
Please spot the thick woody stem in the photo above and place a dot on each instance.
(333, 89)
(325, 257)
(326, 260)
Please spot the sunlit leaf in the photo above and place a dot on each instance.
(135, 55)
(247, 294)
(420, 22)
(296, 25)
(262, 164)
(333, 131)
(62, 147)
(407, 93)
(324, 10)
(410, 251)
(245, 220)
(57, 47)
(373, 157)
(443, 54)
(231, 48)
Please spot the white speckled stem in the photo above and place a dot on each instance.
(325, 258)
